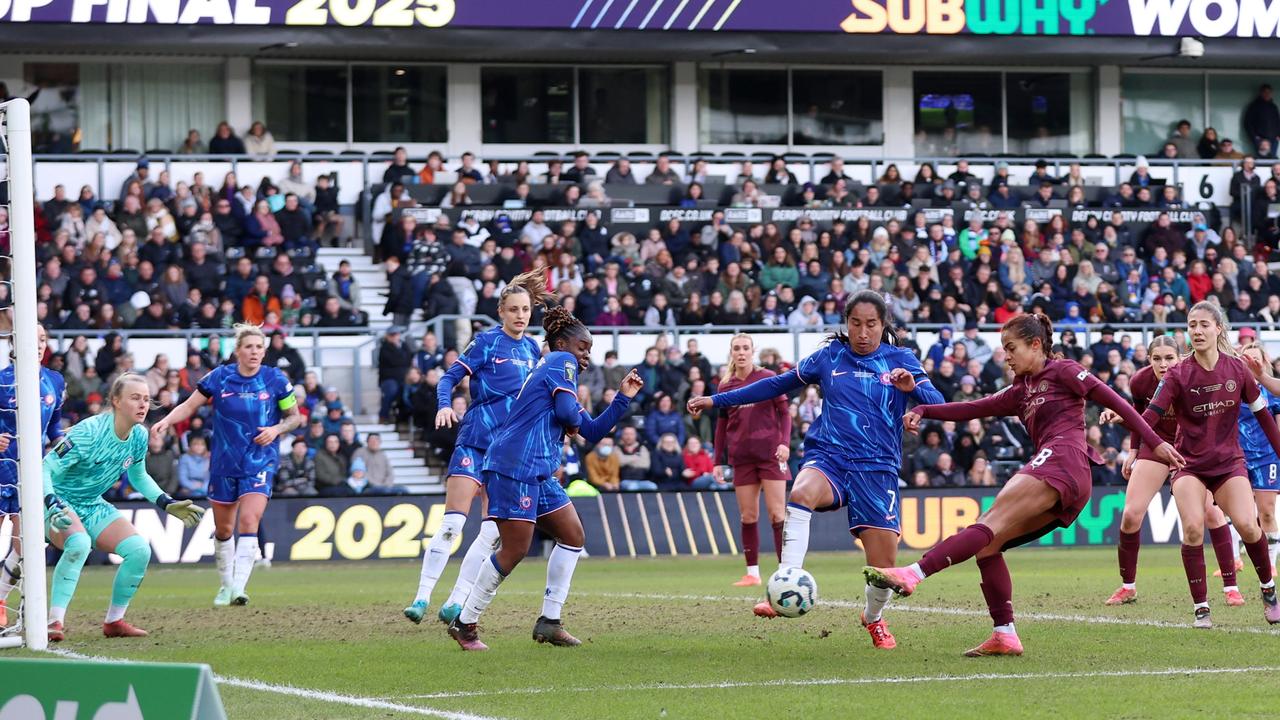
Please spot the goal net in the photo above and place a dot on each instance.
(26, 620)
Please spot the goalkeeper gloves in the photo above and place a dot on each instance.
(56, 514)
(184, 510)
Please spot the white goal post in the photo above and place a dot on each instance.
(15, 126)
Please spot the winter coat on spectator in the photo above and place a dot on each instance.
(667, 468)
(262, 229)
(205, 276)
(293, 224)
(602, 470)
(608, 319)
(633, 463)
(231, 145)
(163, 468)
(288, 359)
(296, 478)
(774, 275)
(378, 470)
(1168, 238)
(393, 361)
(657, 424)
(256, 307)
(331, 469)
(193, 474)
(440, 299)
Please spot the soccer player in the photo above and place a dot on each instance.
(754, 440)
(1146, 475)
(1047, 493)
(498, 361)
(1206, 392)
(252, 407)
(519, 471)
(52, 394)
(1261, 459)
(82, 466)
(854, 449)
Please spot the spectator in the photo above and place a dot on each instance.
(260, 301)
(633, 462)
(297, 476)
(327, 216)
(467, 171)
(225, 141)
(603, 467)
(946, 473)
(288, 359)
(262, 228)
(394, 360)
(662, 173)
(778, 173)
(699, 468)
(620, 173)
(259, 142)
(193, 145)
(1262, 122)
(332, 469)
(294, 223)
(663, 419)
(162, 466)
(193, 468)
(378, 470)
(1183, 142)
(1227, 150)
(581, 171)
(667, 463)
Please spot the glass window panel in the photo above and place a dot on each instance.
(1151, 104)
(958, 113)
(832, 107)
(527, 105)
(623, 105)
(1229, 96)
(743, 107)
(398, 104)
(55, 107)
(302, 103)
(1049, 113)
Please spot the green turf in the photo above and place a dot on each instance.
(337, 627)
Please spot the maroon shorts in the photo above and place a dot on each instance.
(1067, 470)
(1216, 480)
(754, 473)
(1146, 452)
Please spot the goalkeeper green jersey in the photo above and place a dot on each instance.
(89, 460)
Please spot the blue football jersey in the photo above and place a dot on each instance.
(52, 391)
(498, 365)
(862, 411)
(529, 444)
(1257, 450)
(242, 405)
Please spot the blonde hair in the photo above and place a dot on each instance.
(533, 284)
(1224, 345)
(1266, 359)
(117, 388)
(727, 371)
(245, 330)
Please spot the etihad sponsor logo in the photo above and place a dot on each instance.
(1217, 407)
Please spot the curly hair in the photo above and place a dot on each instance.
(561, 324)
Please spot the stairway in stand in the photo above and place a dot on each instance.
(370, 275)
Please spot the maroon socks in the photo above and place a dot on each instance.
(997, 588)
(1128, 551)
(1193, 563)
(777, 539)
(956, 549)
(1221, 538)
(751, 543)
(1260, 557)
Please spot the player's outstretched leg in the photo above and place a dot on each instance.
(795, 545)
(433, 561)
(463, 628)
(485, 544)
(997, 589)
(560, 567)
(952, 551)
(135, 553)
(66, 575)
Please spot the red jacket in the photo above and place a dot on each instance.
(701, 463)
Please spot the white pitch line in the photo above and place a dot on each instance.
(306, 693)
(899, 679)
(1047, 617)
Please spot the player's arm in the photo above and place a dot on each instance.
(141, 480)
(1001, 404)
(184, 410)
(593, 429)
(290, 418)
(912, 379)
(53, 431)
(760, 390)
(721, 437)
(1270, 382)
(53, 469)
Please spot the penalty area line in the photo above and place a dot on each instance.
(900, 679)
(305, 693)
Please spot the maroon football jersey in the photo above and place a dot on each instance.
(1143, 387)
(1207, 404)
(752, 433)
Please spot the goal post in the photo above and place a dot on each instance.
(15, 134)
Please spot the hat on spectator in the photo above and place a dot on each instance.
(1108, 330)
(949, 185)
(144, 163)
(331, 389)
(946, 329)
(971, 324)
(807, 299)
(1248, 332)
(357, 465)
(968, 380)
(335, 405)
(140, 300)
(395, 330)
(999, 182)
(1002, 165)
(1008, 236)
(94, 398)
(808, 187)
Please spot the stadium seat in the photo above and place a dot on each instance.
(159, 151)
(265, 253)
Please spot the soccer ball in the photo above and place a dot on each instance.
(792, 592)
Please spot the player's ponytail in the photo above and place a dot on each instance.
(1029, 328)
(533, 284)
(560, 324)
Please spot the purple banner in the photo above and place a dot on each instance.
(1205, 18)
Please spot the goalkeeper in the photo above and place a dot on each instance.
(86, 463)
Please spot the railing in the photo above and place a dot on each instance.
(62, 339)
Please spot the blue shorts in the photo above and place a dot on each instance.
(511, 499)
(9, 501)
(228, 490)
(1265, 477)
(871, 496)
(465, 462)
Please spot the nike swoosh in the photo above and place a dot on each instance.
(99, 463)
(228, 394)
(501, 360)
(835, 373)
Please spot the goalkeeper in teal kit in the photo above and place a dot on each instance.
(81, 467)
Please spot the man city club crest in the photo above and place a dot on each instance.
(1231, 386)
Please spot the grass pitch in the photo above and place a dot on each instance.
(670, 638)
